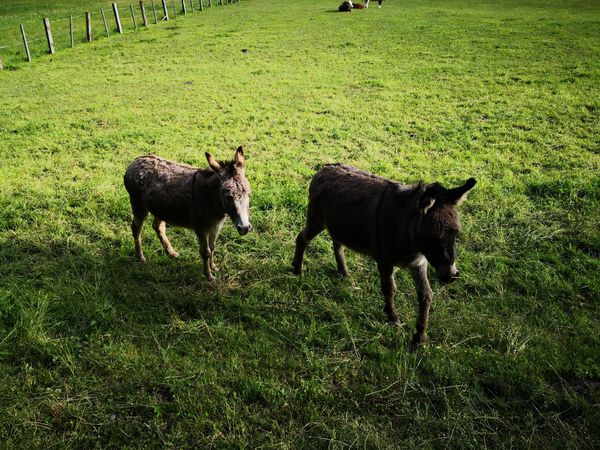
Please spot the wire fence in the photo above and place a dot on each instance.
(42, 35)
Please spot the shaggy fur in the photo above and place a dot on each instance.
(397, 225)
(189, 197)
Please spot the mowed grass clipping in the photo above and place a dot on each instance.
(98, 350)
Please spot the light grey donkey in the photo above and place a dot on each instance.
(185, 196)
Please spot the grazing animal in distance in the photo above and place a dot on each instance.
(361, 5)
(186, 196)
(396, 224)
(345, 7)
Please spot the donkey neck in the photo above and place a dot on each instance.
(398, 224)
(206, 189)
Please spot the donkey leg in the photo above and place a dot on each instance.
(388, 289)
(213, 233)
(206, 255)
(338, 251)
(314, 225)
(424, 295)
(139, 215)
(161, 231)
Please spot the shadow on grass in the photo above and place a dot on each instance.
(94, 287)
(80, 279)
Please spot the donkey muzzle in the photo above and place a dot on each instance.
(449, 278)
(243, 229)
(448, 275)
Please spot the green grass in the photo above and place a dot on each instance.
(30, 14)
(97, 350)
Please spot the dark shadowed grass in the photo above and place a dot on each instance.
(97, 350)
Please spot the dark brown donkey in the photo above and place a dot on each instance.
(397, 225)
(185, 196)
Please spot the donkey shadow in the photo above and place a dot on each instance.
(88, 282)
(102, 283)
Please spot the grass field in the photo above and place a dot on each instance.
(97, 350)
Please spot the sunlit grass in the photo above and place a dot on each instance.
(96, 349)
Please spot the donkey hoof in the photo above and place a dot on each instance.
(142, 260)
(174, 255)
(393, 318)
(211, 278)
(418, 340)
(296, 270)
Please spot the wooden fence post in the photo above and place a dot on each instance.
(104, 20)
(25, 44)
(133, 16)
(88, 26)
(49, 36)
(165, 10)
(71, 31)
(174, 9)
(154, 11)
(183, 7)
(117, 18)
(143, 9)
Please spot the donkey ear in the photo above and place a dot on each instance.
(458, 194)
(430, 195)
(426, 202)
(239, 157)
(213, 163)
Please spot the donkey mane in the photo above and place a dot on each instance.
(229, 167)
(236, 176)
(230, 164)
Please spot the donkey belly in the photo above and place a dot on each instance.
(169, 200)
(175, 209)
(347, 199)
(349, 224)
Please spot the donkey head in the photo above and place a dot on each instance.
(235, 189)
(440, 225)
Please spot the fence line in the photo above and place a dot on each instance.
(54, 18)
(49, 35)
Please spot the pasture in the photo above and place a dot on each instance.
(98, 350)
